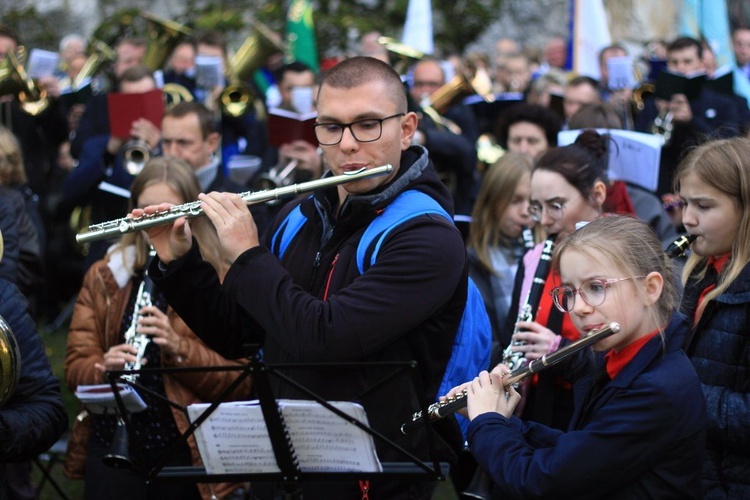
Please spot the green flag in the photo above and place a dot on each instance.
(300, 34)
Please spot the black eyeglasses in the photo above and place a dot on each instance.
(593, 292)
(367, 130)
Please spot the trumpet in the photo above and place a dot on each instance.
(441, 410)
(193, 209)
(135, 154)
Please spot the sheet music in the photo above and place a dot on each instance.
(234, 439)
(42, 63)
(634, 158)
(99, 399)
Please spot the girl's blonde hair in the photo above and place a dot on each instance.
(633, 248)
(12, 171)
(498, 186)
(725, 166)
(179, 176)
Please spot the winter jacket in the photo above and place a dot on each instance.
(720, 351)
(313, 306)
(643, 436)
(33, 417)
(95, 327)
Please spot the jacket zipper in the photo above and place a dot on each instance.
(330, 275)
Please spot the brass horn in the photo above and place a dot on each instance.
(163, 36)
(452, 92)
(14, 80)
(401, 54)
(10, 362)
(257, 48)
(135, 154)
(99, 54)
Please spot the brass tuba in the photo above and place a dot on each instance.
(237, 96)
(14, 80)
(10, 362)
(163, 36)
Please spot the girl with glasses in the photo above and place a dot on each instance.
(639, 427)
(714, 185)
(568, 186)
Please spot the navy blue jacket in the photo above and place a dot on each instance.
(644, 436)
(34, 417)
(720, 352)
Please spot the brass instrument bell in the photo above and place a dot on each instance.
(401, 54)
(99, 54)
(257, 48)
(14, 80)
(10, 362)
(163, 36)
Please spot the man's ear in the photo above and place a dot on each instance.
(408, 128)
(213, 141)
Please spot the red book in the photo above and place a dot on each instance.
(124, 109)
(287, 126)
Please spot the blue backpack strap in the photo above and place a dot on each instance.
(405, 206)
(287, 230)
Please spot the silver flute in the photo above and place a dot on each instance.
(442, 409)
(193, 209)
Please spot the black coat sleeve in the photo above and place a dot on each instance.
(34, 416)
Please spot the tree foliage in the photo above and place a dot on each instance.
(338, 23)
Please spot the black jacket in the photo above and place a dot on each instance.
(314, 307)
(34, 417)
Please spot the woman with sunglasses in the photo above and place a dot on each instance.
(568, 186)
(639, 426)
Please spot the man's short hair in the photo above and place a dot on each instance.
(583, 80)
(205, 117)
(8, 32)
(543, 117)
(685, 42)
(212, 38)
(292, 67)
(135, 41)
(614, 46)
(361, 70)
(136, 74)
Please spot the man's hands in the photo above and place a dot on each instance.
(233, 222)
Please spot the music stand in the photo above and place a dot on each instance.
(291, 474)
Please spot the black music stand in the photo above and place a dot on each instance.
(291, 474)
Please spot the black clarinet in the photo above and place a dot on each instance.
(680, 246)
(513, 359)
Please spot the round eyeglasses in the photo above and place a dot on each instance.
(366, 130)
(555, 209)
(593, 292)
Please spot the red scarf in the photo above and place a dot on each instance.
(618, 200)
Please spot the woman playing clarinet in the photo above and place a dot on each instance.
(568, 186)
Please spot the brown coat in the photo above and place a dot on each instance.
(95, 327)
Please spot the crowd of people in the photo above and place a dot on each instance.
(557, 246)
